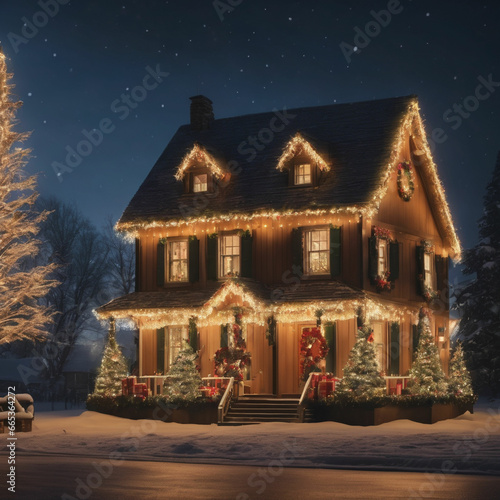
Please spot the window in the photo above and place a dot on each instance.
(200, 183)
(229, 255)
(177, 255)
(317, 251)
(379, 341)
(428, 270)
(302, 174)
(382, 257)
(176, 334)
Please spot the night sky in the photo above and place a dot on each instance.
(72, 70)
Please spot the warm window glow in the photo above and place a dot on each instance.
(302, 174)
(428, 270)
(175, 336)
(382, 257)
(229, 255)
(317, 251)
(200, 183)
(379, 341)
(178, 260)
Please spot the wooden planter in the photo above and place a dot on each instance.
(375, 416)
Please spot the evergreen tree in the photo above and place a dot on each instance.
(22, 283)
(183, 380)
(479, 302)
(426, 372)
(459, 381)
(112, 370)
(362, 378)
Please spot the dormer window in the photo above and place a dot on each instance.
(302, 174)
(200, 183)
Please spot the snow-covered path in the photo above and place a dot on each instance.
(470, 443)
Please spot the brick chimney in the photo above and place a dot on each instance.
(202, 113)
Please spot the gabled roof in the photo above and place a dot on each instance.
(360, 141)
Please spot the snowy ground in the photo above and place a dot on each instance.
(467, 444)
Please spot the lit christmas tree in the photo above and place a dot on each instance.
(362, 378)
(113, 368)
(459, 381)
(183, 380)
(427, 373)
(22, 283)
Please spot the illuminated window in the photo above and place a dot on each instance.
(317, 251)
(302, 174)
(229, 255)
(176, 334)
(382, 257)
(379, 341)
(428, 270)
(200, 183)
(177, 255)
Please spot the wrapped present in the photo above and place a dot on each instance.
(315, 378)
(399, 387)
(131, 381)
(140, 390)
(125, 387)
(325, 388)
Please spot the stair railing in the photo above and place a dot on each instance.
(301, 406)
(225, 401)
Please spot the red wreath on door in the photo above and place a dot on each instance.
(313, 348)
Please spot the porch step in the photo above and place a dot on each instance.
(258, 409)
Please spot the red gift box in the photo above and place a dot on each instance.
(399, 388)
(131, 381)
(325, 388)
(124, 387)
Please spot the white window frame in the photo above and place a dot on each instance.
(382, 254)
(168, 259)
(300, 176)
(222, 256)
(429, 270)
(200, 187)
(308, 250)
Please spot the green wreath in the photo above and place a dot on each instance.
(406, 183)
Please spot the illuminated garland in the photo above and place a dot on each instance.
(299, 145)
(406, 181)
(200, 154)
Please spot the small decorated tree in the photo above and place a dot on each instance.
(113, 368)
(362, 379)
(459, 381)
(427, 373)
(231, 360)
(183, 380)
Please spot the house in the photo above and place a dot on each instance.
(320, 215)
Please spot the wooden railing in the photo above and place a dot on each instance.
(225, 401)
(303, 396)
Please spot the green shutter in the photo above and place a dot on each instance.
(394, 349)
(415, 338)
(297, 251)
(223, 336)
(441, 272)
(331, 340)
(335, 251)
(160, 351)
(160, 264)
(246, 255)
(420, 250)
(212, 257)
(194, 259)
(372, 258)
(394, 260)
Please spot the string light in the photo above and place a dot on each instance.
(296, 146)
(199, 153)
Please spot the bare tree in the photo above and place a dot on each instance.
(81, 255)
(22, 316)
(121, 260)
